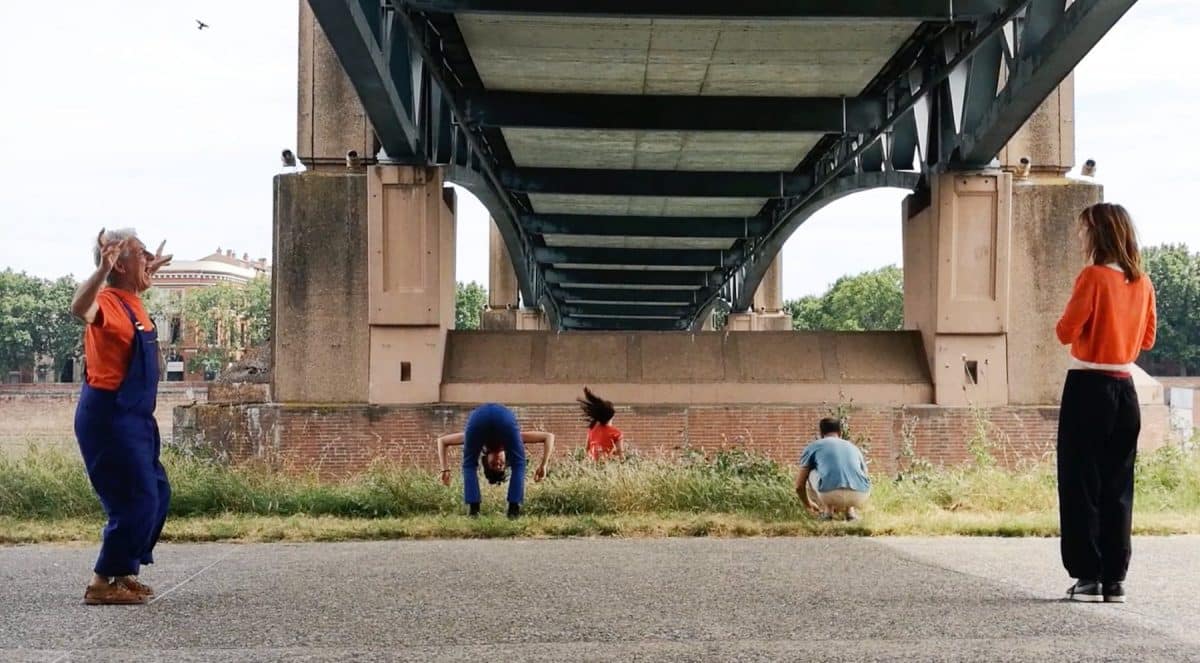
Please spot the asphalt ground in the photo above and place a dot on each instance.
(829, 599)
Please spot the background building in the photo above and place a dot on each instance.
(180, 339)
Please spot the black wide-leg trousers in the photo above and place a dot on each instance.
(1098, 426)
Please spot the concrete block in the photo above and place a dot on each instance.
(532, 319)
(1046, 258)
(406, 364)
(971, 227)
(970, 370)
(504, 319)
(320, 343)
(330, 120)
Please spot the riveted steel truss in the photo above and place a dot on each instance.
(949, 98)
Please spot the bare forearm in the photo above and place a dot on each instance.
(801, 481)
(547, 449)
(83, 304)
(452, 439)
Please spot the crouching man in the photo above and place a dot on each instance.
(833, 475)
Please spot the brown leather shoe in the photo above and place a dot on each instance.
(113, 593)
(137, 587)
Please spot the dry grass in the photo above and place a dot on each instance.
(44, 496)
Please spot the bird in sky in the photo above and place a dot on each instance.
(200, 25)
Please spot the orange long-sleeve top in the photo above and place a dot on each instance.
(1108, 320)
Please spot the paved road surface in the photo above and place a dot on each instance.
(835, 599)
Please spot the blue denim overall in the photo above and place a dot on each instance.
(118, 438)
(494, 423)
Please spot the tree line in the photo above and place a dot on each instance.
(37, 331)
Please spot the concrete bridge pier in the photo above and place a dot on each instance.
(364, 285)
(989, 261)
(504, 311)
(767, 312)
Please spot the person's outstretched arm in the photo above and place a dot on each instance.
(452, 439)
(83, 304)
(547, 440)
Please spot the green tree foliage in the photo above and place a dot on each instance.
(720, 314)
(1176, 276)
(62, 334)
(162, 306)
(227, 317)
(258, 309)
(871, 301)
(469, 301)
(35, 321)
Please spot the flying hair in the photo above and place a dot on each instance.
(596, 410)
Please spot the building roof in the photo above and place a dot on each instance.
(218, 266)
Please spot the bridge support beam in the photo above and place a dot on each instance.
(320, 340)
(410, 266)
(1047, 138)
(503, 292)
(330, 120)
(1046, 258)
(767, 313)
(504, 310)
(956, 283)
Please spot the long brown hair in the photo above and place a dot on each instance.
(1112, 238)
(596, 410)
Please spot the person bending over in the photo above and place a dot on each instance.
(833, 474)
(604, 440)
(493, 439)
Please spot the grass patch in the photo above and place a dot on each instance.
(45, 496)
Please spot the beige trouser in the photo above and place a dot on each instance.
(840, 499)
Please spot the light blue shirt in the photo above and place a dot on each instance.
(838, 463)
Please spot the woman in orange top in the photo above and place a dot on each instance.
(603, 440)
(1109, 319)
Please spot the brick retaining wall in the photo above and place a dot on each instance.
(43, 414)
(340, 440)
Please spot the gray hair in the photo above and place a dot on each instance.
(112, 236)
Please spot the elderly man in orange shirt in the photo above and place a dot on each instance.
(114, 421)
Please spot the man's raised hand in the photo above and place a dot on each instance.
(110, 251)
(159, 261)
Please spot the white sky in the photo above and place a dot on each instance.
(124, 114)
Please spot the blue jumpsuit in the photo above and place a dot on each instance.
(493, 425)
(118, 438)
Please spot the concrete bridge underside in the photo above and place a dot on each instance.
(643, 162)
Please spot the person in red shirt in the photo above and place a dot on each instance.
(114, 420)
(604, 440)
(1109, 319)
